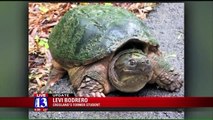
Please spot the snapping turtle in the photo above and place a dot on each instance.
(106, 48)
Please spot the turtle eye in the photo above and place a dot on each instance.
(132, 62)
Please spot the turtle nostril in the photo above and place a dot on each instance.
(147, 61)
(132, 62)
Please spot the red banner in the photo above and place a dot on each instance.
(110, 102)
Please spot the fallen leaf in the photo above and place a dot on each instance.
(43, 9)
(108, 4)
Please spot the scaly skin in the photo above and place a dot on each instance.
(128, 71)
(90, 88)
(132, 67)
(87, 81)
(164, 75)
(56, 73)
(91, 80)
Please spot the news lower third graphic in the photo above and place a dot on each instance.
(43, 102)
(40, 102)
(64, 100)
(60, 101)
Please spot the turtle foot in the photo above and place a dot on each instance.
(170, 81)
(55, 75)
(90, 88)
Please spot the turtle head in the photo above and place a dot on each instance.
(130, 70)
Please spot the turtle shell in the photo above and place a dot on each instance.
(88, 33)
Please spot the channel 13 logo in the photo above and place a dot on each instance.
(40, 102)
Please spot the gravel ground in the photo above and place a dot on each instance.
(166, 23)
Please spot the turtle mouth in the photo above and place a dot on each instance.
(132, 71)
(145, 70)
(128, 84)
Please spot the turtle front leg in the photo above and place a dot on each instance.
(90, 88)
(91, 80)
(170, 80)
(165, 75)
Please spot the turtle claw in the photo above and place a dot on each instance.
(176, 87)
(97, 94)
(102, 95)
(93, 94)
(90, 88)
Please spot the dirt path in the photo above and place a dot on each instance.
(166, 23)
